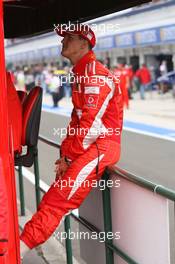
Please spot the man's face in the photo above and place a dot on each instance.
(120, 66)
(71, 45)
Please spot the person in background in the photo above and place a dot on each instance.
(163, 68)
(54, 87)
(144, 76)
(130, 75)
(67, 80)
(20, 80)
(121, 73)
(29, 79)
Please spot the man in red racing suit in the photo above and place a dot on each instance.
(93, 137)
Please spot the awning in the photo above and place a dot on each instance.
(26, 18)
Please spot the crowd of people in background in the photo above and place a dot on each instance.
(50, 76)
(45, 75)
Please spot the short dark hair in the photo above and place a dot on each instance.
(90, 46)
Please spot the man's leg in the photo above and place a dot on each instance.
(142, 91)
(68, 194)
(54, 95)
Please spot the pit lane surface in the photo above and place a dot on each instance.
(147, 156)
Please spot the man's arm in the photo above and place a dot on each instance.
(72, 126)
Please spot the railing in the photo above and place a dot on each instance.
(109, 247)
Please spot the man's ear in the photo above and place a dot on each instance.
(84, 44)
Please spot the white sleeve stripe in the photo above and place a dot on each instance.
(97, 125)
(91, 89)
(108, 81)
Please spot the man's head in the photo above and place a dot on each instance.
(77, 41)
(120, 66)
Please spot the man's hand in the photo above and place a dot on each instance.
(61, 167)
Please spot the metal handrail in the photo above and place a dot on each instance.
(154, 187)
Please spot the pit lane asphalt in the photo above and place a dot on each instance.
(146, 156)
(149, 157)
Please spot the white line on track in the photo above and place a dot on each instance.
(56, 112)
(31, 178)
(148, 134)
(137, 131)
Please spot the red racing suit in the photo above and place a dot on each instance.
(3, 212)
(92, 143)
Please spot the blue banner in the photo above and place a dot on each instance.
(105, 43)
(149, 36)
(167, 33)
(145, 37)
(124, 40)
